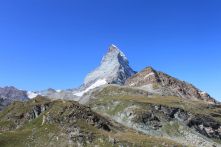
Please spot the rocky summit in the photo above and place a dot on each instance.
(114, 68)
(163, 84)
(116, 107)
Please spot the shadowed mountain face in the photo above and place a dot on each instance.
(13, 94)
(160, 83)
(10, 94)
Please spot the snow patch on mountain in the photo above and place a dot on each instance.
(58, 91)
(98, 83)
(32, 95)
(150, 74)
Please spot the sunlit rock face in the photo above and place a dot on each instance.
(114, 68)
(161, 83)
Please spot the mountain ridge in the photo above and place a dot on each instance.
(10, 94)
(161, 83)
(114, 69)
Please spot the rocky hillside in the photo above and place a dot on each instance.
(41, 122)
(113, 116)
(162, 84)
(187, 121)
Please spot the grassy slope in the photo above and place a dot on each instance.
(111, 102)
(33, 133)
(107, 96)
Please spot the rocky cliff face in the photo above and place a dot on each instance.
(160, 83)
(114, 68)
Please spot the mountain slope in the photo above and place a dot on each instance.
(162, 84)
(187, 121)
(41, 122)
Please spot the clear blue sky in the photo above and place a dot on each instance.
(51, 43)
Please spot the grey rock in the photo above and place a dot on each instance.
(114, 68)
(61, 94)
(13, 93)
(10, 94)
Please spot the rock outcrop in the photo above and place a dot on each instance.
(191, 122)
(54, 123)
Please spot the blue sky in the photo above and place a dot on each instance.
(54, 43)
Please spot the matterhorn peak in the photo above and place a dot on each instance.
(114, 48)
(114, 68)
(115, 55)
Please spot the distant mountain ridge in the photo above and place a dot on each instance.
(10, 94)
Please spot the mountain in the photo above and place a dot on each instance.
(10, 94)
(163, 84)
(114, 69)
